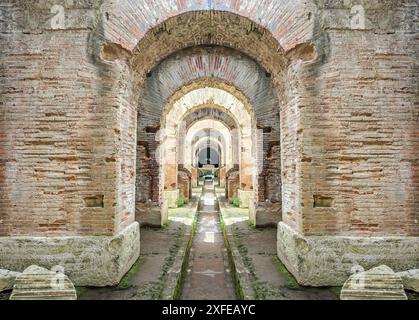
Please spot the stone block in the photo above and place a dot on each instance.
(268, 214)
(37, 283)
(87, 260)
(379, 283)
(149, 214)
(330, 260)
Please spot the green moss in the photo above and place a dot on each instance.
(336, 291)
(235, 201)
(291, 283)
(167, 223)
(180, 202)
(251, 224)
(80, 291)
(150, 291)
(126, 281)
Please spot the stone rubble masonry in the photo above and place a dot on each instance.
(379, 283)
(37, 283)
(87, 260)
(330, 260)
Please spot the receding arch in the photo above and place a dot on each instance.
(203, 92)
(210, 112)
(246, 28)
(217, 127)
(273, 70)
(219, 67)
(198, 97)
(225, 155)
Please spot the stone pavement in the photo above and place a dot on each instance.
(161, 248)
(260, 273)
(208, 276)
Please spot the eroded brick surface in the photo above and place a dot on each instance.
(348, 118)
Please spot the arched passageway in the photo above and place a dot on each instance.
(317, 128)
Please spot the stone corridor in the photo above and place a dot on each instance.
(208, 276)
(197, 149)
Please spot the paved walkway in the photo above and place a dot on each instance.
(208, 276)
(147, 279)
(262, 272)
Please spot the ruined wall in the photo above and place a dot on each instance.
(184, 181)
(123, 25)
(348, 117)
(359, 129)
(57, 139)
(272, 179)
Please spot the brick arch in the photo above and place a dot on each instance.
(197, 130)
(134, 25)
(210, 112)
(200, 145)
(187, 100)
(218, 66)
(272, 50)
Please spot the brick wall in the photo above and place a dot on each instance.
(56, 134)
(348, 117)
(359, 135)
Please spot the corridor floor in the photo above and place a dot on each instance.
(208, 276)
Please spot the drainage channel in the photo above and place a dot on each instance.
(208, 276)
